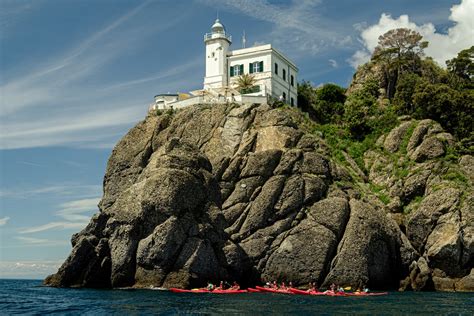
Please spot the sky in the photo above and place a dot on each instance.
(76, 75)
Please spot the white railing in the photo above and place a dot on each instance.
(208, 36)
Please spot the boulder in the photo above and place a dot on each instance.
(395, 137)
(422, 221)
(430, 148)
(368, 253)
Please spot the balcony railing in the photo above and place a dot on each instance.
(209, 36)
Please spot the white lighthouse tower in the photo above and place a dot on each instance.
(217, 45)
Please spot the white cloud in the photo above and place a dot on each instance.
(53, 225)
(441, 46)
(41, 241)
(73, 210)
(333, 63)
(12, 12)
(297, 25)
(74, 214)
(51, 102)
(4, 220)
(37, 269)
(65, 189)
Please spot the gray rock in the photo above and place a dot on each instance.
(303, 255)
(422, 221)
(430, 148)
(368, 252)
(395, 137)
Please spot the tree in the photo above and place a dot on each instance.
(401, 43)
(399, 50)
(358, 110)
(403, 98)
(329, 103)
(306, 97)
(462, 67)
(453, 109)
(245, 82)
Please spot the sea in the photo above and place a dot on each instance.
(29, 297)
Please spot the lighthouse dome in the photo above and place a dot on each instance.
(217, 27)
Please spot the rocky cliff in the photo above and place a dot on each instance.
(249, 193)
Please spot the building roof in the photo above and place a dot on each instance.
(218, 27)
(166, 95)
(258, 49)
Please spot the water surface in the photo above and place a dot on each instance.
(29, 297)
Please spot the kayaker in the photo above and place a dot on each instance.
(235, 286)
(221, 286)
(290, 285)
(210, 286)
(275, 285)
(283, 286)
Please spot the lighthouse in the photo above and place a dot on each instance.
(217, 46)
(273, 74)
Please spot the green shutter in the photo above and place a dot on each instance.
(241, 69)
(261, 66)
(250, 68)
(231, 71)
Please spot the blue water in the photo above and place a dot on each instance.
(29, 297)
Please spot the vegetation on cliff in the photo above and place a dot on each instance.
(397, 81)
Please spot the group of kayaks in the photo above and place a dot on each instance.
(291, 291)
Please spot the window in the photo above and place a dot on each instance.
(284, 96)
(292, 80)
(256, 67)
(284, 74)
(292, 102)
(276, 69)
(236, 70)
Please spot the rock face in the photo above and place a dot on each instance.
(243, 192)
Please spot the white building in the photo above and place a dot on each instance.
(275, 75)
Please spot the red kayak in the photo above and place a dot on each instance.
(176, 290)
(333, 293)
(228, 291)
(266, 289)
(367, 293)
(303, 292)
(251, 290)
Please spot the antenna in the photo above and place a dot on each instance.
(243, 40)
(217, 14)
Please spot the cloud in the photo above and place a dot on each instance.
(72, 210)
(63, 106)
(12, 12)
(37, 269)
(333, 63)
(73, 215)
(441, 46)
(53, 225)
(173, 71)
(4, 220)
(297, 25)
(41, 241)
(65, 189)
